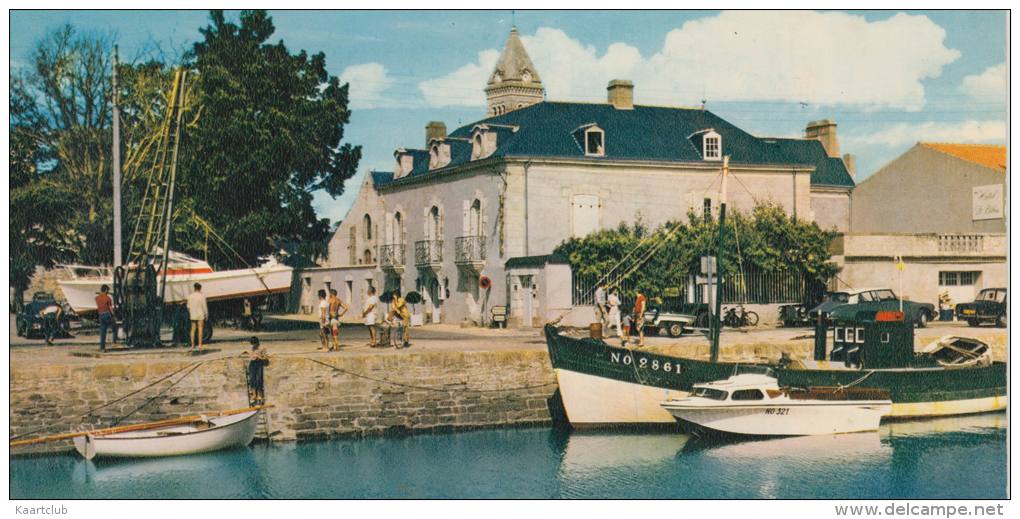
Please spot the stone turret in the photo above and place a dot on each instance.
(514, 82)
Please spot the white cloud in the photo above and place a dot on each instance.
(910, 133)
(990, 84)
(821, 58)
(462, 87)
(369, 82)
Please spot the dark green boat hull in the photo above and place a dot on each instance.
(905, 386)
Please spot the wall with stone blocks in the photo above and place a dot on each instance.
(451, 390)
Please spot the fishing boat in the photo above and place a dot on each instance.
(755, 405)
(872, 348)
(605, 386)
(82, 283)
(171, 437)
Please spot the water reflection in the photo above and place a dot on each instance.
(962, 457)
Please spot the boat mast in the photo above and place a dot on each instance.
(118, 253)
(717, 318)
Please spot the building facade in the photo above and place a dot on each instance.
(941, 209)
(534, 173)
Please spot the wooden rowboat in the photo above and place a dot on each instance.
(213, 434)
(172, 437)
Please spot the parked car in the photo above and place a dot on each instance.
(878, 299)
(989, 306)
(830, 302)
(31, 322)
(668, 323)
(795, 315)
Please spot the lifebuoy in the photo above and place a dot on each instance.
(484, 282)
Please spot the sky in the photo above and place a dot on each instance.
(888, 78)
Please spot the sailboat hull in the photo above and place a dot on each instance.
(603, 385)
(224, 432)
(217, 286)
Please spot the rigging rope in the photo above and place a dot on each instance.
(161, 393)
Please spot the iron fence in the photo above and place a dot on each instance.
(747, 287)
(392, 255)
(470, 248)
(427, 252)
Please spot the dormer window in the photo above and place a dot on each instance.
(594, 142)
(712, 145)
(476, 147)
(439, 154)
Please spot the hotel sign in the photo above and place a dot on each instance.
(988, 202)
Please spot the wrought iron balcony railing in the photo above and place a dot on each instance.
(470, 249)
(392, 255)
(428, 252)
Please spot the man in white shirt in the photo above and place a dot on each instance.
(370, 315)
(324, 329)
(614, 312)
(600, 303)
(198, 311)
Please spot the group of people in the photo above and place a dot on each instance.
(608, 312)
(332, 309)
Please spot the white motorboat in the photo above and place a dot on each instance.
(230, 429)
(83, 282)
(755, 405)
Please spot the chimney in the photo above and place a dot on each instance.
(824, 131)
(851, 165)
(434, 130)
(621, 94)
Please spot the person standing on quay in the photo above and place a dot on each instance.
(198, 311)
(369, 315)
(600, 303)
(324, 328)
(640, 305)
(107, 319)
(335, 304)
(614, 312)
(398, 307)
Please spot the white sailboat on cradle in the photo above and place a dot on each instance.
(82, 283)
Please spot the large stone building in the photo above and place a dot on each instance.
(534, 173)
(942, 209)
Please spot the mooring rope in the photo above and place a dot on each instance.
(424, 388)
(854, 383)
(94, 409)
(161, 393)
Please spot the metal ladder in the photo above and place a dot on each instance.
(138, 291)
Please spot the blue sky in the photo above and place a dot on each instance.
(888, 78)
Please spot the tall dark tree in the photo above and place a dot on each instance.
(270, 134)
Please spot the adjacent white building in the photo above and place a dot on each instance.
(532, 173)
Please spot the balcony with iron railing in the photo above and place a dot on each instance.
(470, 251)
(428, 254)
(392, 257)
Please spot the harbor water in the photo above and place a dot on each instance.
(962, 457)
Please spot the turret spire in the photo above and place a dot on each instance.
(514, 82)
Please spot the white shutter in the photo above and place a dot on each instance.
(467, 218)
(584, 215)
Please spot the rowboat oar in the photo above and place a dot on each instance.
(137, 427)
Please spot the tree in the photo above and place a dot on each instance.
(767, 241)
(269, 136)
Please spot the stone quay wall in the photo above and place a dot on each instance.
(437, 391)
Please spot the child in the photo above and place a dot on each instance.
(256, 368)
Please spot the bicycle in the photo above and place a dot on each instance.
(745, 318)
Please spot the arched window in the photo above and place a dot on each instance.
(476, 148)
(367, 256)
(435, 224)
(475, 219)
(368, 226)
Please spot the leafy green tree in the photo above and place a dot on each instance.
(270, 134)
(658, 263)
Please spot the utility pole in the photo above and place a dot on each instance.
(118, 254)
(717, 318)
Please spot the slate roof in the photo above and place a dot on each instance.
(647, 133)
(988, 155)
